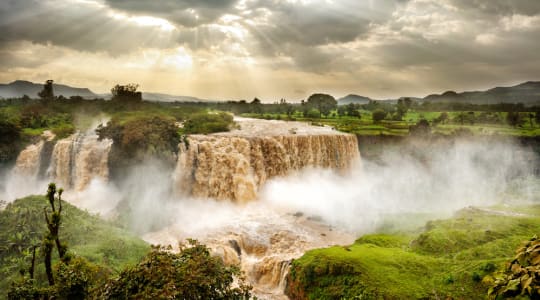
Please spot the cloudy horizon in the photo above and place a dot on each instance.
(271, 49)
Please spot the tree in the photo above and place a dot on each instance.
(513, 118)
(53, 225)
(66, 280)
(402, 108)
(537, 118)
(256, 106)
(190, 274)
(126, 93)
(323, 103)
(471, 117)
(420, 128)
(47, 93)
(352, 110)
(341, 110)
(378, 115)
(442, 118)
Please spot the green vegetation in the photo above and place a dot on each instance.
(23, 120)
(449, 258)
(204, 123)
(97, 260)
(191, 274)
(141, 138)
(521, 277)
(86, 236)
(397, 118)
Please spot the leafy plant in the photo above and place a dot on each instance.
(190, 274)
(522, 274)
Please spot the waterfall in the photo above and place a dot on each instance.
(235, 167)
(28, 161)
(78, 159)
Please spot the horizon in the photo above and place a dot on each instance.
(277, 99)
(242, 49)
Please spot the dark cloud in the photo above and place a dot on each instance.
(189, 13)
(447, 41)
(83, 27)
(319, 23)
(499, 7)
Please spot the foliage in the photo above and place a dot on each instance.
(379, 115)
(521, 275)
(323, 103)
(89, 237)
(47, 94)
(10, 134)
(513, 118)
(204, 123)
(313, 113)
(421, 128)
(190, 274)
(126, 93)
(139, 139)
(446, 260)
(79, 279)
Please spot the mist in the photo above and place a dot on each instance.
(435, 181)
(420, 182)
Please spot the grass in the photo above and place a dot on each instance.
(366, 127)
(447, 258)
(99, 241)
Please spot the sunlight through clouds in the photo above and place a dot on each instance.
(381, 49)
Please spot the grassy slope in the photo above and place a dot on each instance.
(22, 225)
(447, 258)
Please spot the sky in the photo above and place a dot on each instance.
(272, 49)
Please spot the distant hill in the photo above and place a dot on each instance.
(19, 88)
(171, 98)
(527, 93)
(356, 99)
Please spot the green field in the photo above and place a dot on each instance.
(450, 259)
(366, 126)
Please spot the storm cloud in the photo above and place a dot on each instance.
(382, 48)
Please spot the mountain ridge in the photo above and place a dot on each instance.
(527, 93)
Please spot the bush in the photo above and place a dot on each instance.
(522, 274)
(205, 123)
(190, 274)
(378, 115)
(141, 138)
(313, 114)
(10, 134)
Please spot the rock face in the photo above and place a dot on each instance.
(235, 165)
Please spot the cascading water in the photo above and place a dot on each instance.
(234, 165)
(72, 163)
(78, 159)
(259, 238)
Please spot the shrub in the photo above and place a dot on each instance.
(521, 275)
(313, 114)
(378, 115)
(190, 274)
(204, 123)
(141, 138)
